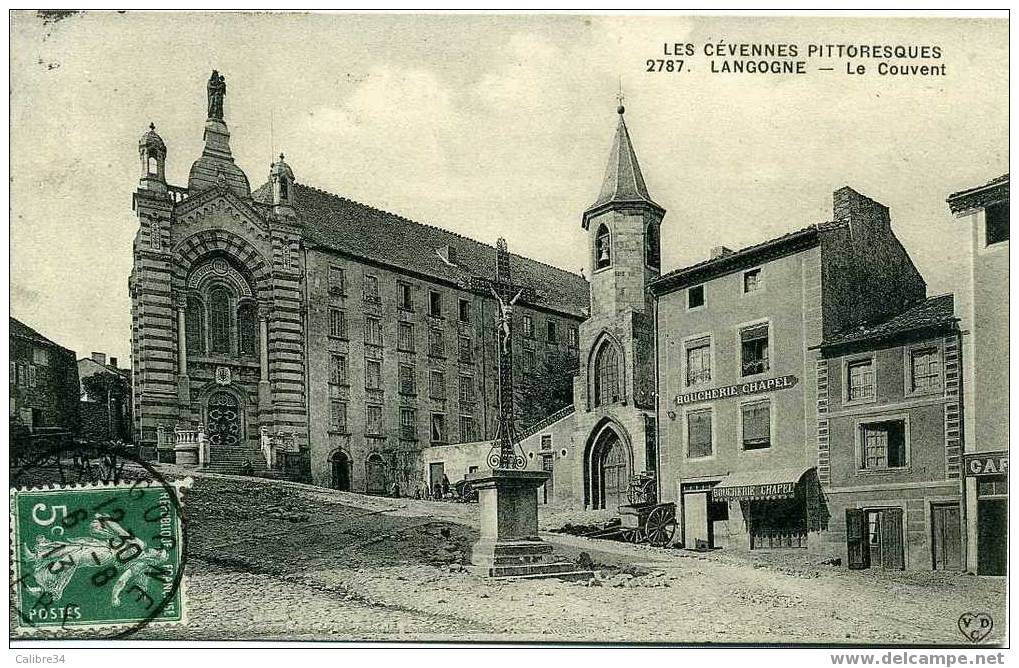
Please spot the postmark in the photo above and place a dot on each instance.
(106, 556)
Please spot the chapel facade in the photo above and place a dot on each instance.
(287, 331)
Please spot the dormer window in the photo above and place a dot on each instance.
(602, 248)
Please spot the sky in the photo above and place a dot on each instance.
(487, 126)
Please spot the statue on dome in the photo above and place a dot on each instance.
(217, 89)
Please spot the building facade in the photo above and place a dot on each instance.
(737, 364)
(889, 426)
(287, 318)
(43, 382)
(105, 398)
(985, 369)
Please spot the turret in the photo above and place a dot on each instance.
(152, 152)
(281, 178)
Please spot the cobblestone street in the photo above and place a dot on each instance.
(282, 561)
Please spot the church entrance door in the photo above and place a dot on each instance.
(223, 423)
(615, 474)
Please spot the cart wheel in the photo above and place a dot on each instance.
(660, 527)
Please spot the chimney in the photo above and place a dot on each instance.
(863, 215)
(99, 357)
(113, 362)
(720, 251)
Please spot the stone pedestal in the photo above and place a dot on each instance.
(509, 545)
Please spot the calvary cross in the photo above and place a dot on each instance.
(503, 454)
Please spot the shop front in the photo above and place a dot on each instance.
(987, 512)
(774, 505)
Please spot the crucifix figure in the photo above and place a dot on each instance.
(503, 454)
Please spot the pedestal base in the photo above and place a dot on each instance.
(509, 545)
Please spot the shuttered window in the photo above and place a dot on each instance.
(756, 425)
(405, 337)
(926, 370)
(338, 416)
(861, 380)
(337, 323)
(338, 369)
(373, 374)
(883, 444)
(373, 331)
(698, 431)
(373, 415)
(408, 385)
(436, 343)
(698, 361)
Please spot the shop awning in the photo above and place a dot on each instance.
(759, 485)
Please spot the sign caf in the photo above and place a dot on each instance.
(738, 390)
(989, 463)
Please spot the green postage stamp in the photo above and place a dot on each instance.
(96, 556)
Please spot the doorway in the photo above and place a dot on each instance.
(615, 474)
(340, 465)
(436, 472)
(874, 538)
(992, 536)
(548, 466)
(375, 478)
(223, 423)
(946, 537)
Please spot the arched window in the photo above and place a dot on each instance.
(652, 247)
(219, 320)
(194, 319)
(247, 329)
(283, 189)
(153, 165)
(606, 375)
(602, 248)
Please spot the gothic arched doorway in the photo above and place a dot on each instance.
(223, 419)
(608, 466)
(375, 480)
(340, 465)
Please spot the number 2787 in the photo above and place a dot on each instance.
(663, 65)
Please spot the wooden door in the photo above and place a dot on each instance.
(695, 519)
(892, 557)
(946, 537)
(615, 474)
(858, 548)
(375, 481)
(223, 423)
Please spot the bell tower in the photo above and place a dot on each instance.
(624, 232)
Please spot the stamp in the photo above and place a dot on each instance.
(99, 555)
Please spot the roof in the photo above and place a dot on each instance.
(346, 226)
(964, 201)
(624, 182)
(732, 261)
(23, 331)
(932, 313)
(85, 361)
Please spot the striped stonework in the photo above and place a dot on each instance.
(953, 404)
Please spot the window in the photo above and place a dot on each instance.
(373, 331)
(996, 223)
(337, 281)
(465, 351)
(465, 310)
(754, 347)
(247, 329)
(528, 327)
(219, 320)
(195, 326)
(466, 390)
(752, 281)
(574, 337)
(756, 418)
(698, 434)
(435, 304)
(925, 370)
(405, 337)
(373, 419)
(405, 301)
(337, 323)
(551, 336)
(438, 428)
(408, 423)
(606, 375)
(860, 375)
(884, 445)
(371, 288)
(437, 384)
(466, 428)
(530, 361)
(652, 247)
(546, 442)
(408, 383)
(695, 297)
(338, 369)
(602, 248)
(698, 361)
(436, 343)
(338, 416)
(373, 374)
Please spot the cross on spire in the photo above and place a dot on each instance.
(620, 97)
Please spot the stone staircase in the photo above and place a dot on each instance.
(233, 460)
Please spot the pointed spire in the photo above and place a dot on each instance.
(623, 183)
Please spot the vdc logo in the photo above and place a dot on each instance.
(975, 625)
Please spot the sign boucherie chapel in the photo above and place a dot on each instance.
(290, 332)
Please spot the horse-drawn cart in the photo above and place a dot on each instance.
(643, 519)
